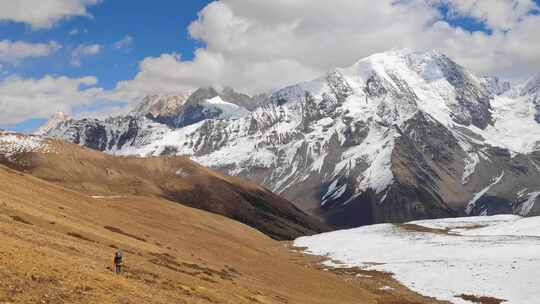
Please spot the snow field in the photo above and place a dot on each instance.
(495, 256)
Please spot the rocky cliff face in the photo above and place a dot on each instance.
(532, 91)
(395, 137)
(164, 109)
(188, 108)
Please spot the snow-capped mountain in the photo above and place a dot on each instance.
(397, 136)
(188, 108)
(156, 114)
(51, 124)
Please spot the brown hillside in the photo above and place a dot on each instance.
(174, 178)
(58, 244)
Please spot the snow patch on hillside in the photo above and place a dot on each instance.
(12, 144)
(526, 207)
(477, 196)
(377, 148)
(483, 256)
(515, 127)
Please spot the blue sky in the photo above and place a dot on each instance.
(229, 48)
(154, 28)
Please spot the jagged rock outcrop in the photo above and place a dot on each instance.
(164, 109)
(532, 91)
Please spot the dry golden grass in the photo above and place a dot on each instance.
(64, 214)
(173, 178)
(58, 245)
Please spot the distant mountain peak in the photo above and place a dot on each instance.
(396, 136)
(532, 86)
(52, 123)
(160, 105)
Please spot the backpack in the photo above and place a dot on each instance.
(118, 257)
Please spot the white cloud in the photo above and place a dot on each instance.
(14, 51)
(76, 31)
(497, 14)
(84, 50)
(43, 13)
(262, 45)
(125, 42)
(21, 99)
(104, 113)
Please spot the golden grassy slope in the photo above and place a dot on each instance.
(58, 244)
(174, 178)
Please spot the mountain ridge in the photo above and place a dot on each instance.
(397, 136)
(175, 179)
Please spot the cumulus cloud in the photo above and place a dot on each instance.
(110, 110)
(43, 13)
(497, 14)
(125, 42)
(84, 50)
(264, 45)
(14, 51)
(21, 98)
(76, 31)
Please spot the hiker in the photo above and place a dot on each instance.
(118, 261)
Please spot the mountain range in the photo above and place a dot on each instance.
(397, 136)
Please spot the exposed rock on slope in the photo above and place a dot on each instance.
(160, 108)
(188, 108)
(397, 136)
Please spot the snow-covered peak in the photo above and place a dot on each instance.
(52, 123)
(496, 86)
(400, 83)
(224, 109)
(160, 105)
(405, 63)
(227, 94)
(366, 134)
(400, 54)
